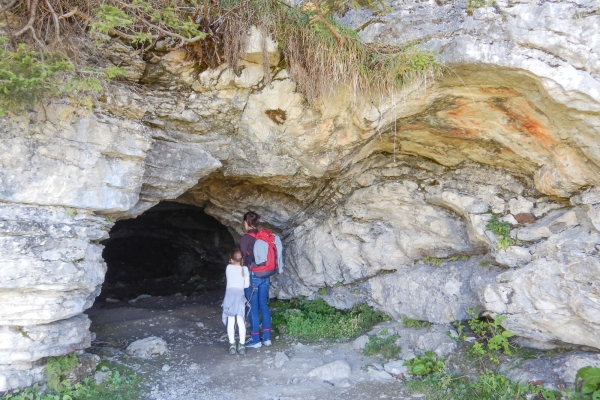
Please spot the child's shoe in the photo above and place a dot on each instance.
(252, 344)
(232, 349)
(241, 349)
(266, 342)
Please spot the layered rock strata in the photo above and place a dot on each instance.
(385, 200)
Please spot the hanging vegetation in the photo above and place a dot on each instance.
(321, 55)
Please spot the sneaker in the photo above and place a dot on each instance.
(241, 349)
(266, 343)
(253, 345)
(232, 349)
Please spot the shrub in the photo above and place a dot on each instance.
(321, 55)
(317, 319)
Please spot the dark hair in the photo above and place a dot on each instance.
(252, 219)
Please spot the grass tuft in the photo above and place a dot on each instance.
(316, 319)
(322, 56)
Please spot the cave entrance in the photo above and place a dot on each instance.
(170, 249)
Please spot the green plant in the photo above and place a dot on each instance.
(488, 385)
(495, 386)
(316, 319)
(337, 285)
(117, 386)
(27, 76)
(114, 73)
(587, 382)
(322, 56)
(382, 346)
(492, 338)
(484, 263)
(425, 364)
(502, 231)
(474, 4)
(57, 368)
(70, 212)
(464, 258)
(323, 291)
(432, 261)
(414, 323)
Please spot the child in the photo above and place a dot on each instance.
(234, 304)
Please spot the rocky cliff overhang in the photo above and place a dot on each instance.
(365, 193)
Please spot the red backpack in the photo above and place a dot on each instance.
(265, 254)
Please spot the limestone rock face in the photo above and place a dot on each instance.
(26, 344)
(555, 297)
(92, 162)
(385, 201)
(52, 265)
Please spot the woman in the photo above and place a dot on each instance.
(258, 291)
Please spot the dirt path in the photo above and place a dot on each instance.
(198, 365)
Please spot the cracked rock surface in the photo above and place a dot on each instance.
(385, 201)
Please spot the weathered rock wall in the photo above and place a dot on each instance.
(369, 196)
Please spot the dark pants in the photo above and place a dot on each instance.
(258, 296)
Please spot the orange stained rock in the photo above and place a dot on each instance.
(521, 116)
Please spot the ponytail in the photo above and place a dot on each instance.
(236, 256)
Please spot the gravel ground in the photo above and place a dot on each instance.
(198, 365)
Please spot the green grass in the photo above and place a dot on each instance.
(432, 261)
(322, 56)
(384, 347)
(414, 323)
(119, 385)
(316, 319)
(488, 385)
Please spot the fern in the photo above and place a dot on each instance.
(57, 368)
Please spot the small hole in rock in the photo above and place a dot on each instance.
(278, 116)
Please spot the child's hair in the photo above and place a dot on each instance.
(252, 219)
(236, 256)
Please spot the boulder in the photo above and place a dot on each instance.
(360, 342)
(146, 348)
(332, 371)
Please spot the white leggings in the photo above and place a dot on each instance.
(231, 328)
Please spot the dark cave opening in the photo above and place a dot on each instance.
(171, 249)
